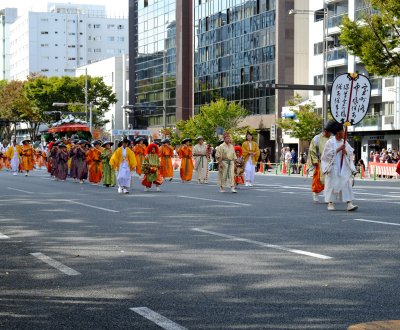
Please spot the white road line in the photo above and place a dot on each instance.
(215, 200)
(56, 264)
(2, 236)
(87, 205)
(381, 222)
(158, 319)
(277, 247)
(24, 191)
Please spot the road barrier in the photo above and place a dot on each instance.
(382, 170)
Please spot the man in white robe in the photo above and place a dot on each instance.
(338, 174)
(200, 158)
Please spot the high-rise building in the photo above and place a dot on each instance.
(7, 17)
(68, 36)
(233, 49)
(381, 126)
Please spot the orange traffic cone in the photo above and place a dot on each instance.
(261, 169)
(284, 171)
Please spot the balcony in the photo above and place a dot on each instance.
(336, 57)
(376, 86)
(335, 21)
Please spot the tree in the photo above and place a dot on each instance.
(307, 123)
(220, 113)
(376, 38)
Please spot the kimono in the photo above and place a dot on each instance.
(81, 165)
(95, 168)
(186, 170)
(250, 161)
(150, 168)
(107, 171)
(27, 158)
(139, 151)
(226, 173)
(123, 161)
(338, 180)
(166, 154)
(317, 146)
(239, 170)
(201, 162)
(61, 171)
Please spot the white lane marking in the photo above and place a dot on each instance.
(380, 222)
(2, 236)
(56, 264)
(272, 246)
(24, 191)
(158, 319)
(87, 205)
(215, 200)
(371, 194)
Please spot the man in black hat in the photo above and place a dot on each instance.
(315, 151)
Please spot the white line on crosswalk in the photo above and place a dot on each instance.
(272, 246)
(2, 236)
(158, 319)
(20, 190)
(215, 200)
(56, 264)
(380, 222)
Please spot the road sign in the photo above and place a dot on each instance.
(126, 132)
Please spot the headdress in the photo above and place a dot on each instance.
(199, 138)
(333, 126)
(107, 142)
(96, 142)
(125, 140)
(26, 140)
(238, 148)
(186, 140)
(165, 140)
(151, 146)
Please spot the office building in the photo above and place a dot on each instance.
(54, 43)
(7, 17)
(233, 49)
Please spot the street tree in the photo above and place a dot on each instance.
(217, 114)
(375, 39)
(306, 124)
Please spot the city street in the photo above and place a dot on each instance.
(80, 256)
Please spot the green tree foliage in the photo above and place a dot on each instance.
(376, 38)
(220, 113)
(306, 125)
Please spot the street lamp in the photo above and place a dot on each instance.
(164, 74)
(86, 87)
(325, 40)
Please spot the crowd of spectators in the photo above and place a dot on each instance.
(388, 156)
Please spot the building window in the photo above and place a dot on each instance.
(44, 32)
(120, 39)
(120, 27)
(97, 50)
(146, 3)
(318, 48)
(110, 38)
(96, 26)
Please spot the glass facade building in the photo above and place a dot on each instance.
(235, 50)
(155, 62)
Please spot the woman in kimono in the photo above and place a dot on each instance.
(107, 170)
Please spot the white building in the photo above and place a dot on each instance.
(66, 37)
(7, 17)
(381, 127)
(114, 72)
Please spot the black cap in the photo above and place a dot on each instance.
(186, 140)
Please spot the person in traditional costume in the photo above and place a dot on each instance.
(107, 171)
(27, 157)
(81, 164)
(200, 159)
(94, 162)
(251, 153)
(73, 169)
(226, 156)
(139, 149)
(239, 166)
(13, 153)
(151, 168)
(123, 161)
(185, 154)
(315, 151)
(61, 172)
(166, 154)
(338, 166)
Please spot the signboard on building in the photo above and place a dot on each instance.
(127, 132)
(273, 132)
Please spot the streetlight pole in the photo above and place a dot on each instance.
(164, 91)
(323, 11)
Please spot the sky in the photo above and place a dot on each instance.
(116, 8)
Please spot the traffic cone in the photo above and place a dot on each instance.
(284, 168)
(261, 169)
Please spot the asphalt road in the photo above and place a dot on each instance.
(189, 257)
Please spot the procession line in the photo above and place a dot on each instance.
(158, 319)
(56, 264)
(380, 222)
(214, 200)
(24, 191)
(272, 246)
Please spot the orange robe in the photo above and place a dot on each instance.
(95, 166)
(185, 153)
(27, 158)
(139, 150)
(166, 154)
